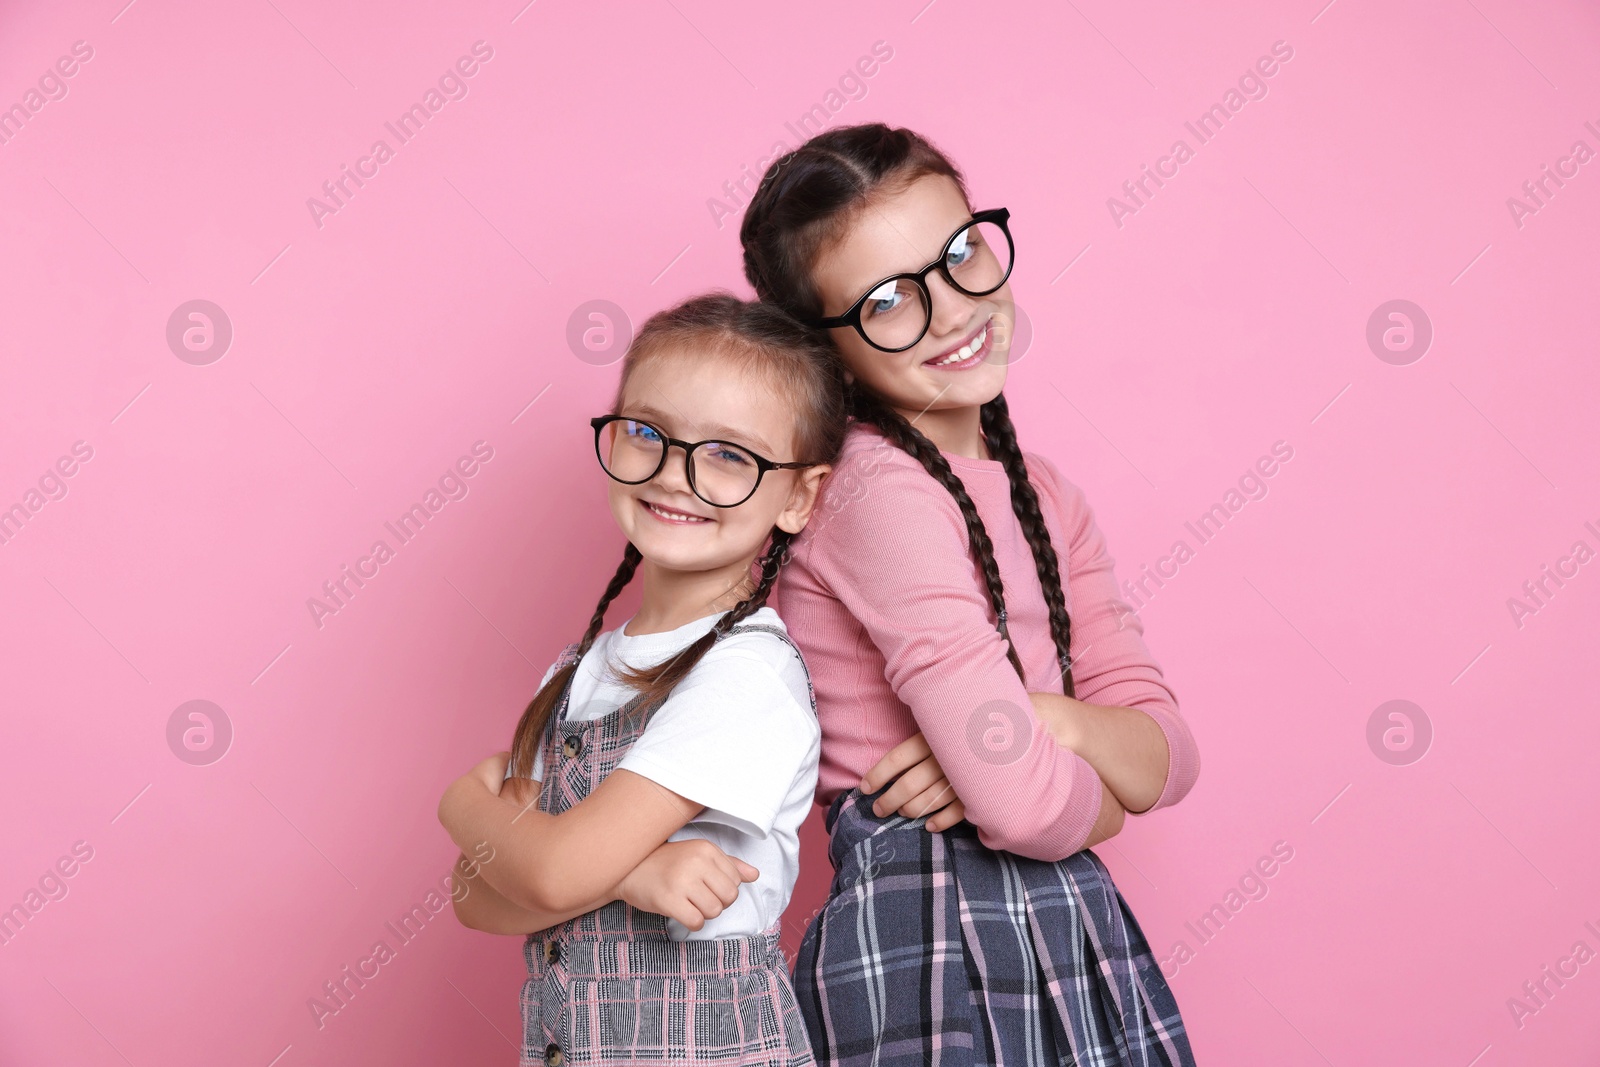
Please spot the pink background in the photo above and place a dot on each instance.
(1169, 353)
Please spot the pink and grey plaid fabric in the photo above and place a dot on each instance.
(611, 987)
(933, 949)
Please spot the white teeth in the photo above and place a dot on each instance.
(671, 517)
(964, 352)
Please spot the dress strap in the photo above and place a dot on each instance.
(566, 656)
(783, 635)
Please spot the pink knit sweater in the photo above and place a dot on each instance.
(885, 600)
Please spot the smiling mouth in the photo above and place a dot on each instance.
(672, 515)
(966, 355)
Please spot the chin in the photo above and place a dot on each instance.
(971, 389)
(675, 556)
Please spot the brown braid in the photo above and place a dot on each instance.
(1002, 441)
(869, 408)
(530, 728)
(655, 682)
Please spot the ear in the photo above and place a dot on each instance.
(802, 498)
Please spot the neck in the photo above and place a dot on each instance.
(671, 598)
(958, 431)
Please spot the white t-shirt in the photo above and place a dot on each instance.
(737, 734)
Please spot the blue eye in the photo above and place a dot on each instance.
(728, 455)
(643, 431)
(962, 250)
(884, 299)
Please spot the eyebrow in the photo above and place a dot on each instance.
(717, 431)
(872, 283)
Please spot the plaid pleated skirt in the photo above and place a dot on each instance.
(933, 949)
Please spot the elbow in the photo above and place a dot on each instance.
(466, 903)
(464, 913)
(1183, 770)
(1180, 789)
(445, 810)
(1183, 762)
(1110, 823)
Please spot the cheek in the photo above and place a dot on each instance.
(745, 528)
(859, 357)
(621, 499)
(895, 378)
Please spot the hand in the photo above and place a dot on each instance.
(492, 771)
(523, 792)
(920, 786)
(690, 881)
(487, 775)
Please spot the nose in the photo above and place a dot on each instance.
(674, 476)
(951, 307)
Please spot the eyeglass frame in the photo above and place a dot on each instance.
(763, 464)
(999, 216)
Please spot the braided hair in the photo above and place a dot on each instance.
(807, 200)
(809, 372)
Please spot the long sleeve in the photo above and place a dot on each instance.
(1114, 667)
(896, 557)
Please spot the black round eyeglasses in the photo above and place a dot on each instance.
(721, 473)
(894, 314)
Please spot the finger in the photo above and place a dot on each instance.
(906, 754)
(726, 888)
(738, 870)
(906, 787)
(705, 898)
(929, 800)
(946, 817)
(688, 913)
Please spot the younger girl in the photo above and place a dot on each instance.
(646, 835)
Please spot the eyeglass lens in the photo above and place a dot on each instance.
(723, 474)
(978, 260)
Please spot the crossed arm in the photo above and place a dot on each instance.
(897, 561)
(611, 846)
(552, 874)
(1126, 748)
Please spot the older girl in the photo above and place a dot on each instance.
(955, 602)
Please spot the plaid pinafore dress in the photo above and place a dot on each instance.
(610, 986)
(934, 949)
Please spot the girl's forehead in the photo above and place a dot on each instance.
(897, 231)
(702, 394)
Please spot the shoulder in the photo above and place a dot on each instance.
(598, 653)
(763, 634)
(1068, 496)
(759, 656)
(866, 451)
(874, 486)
